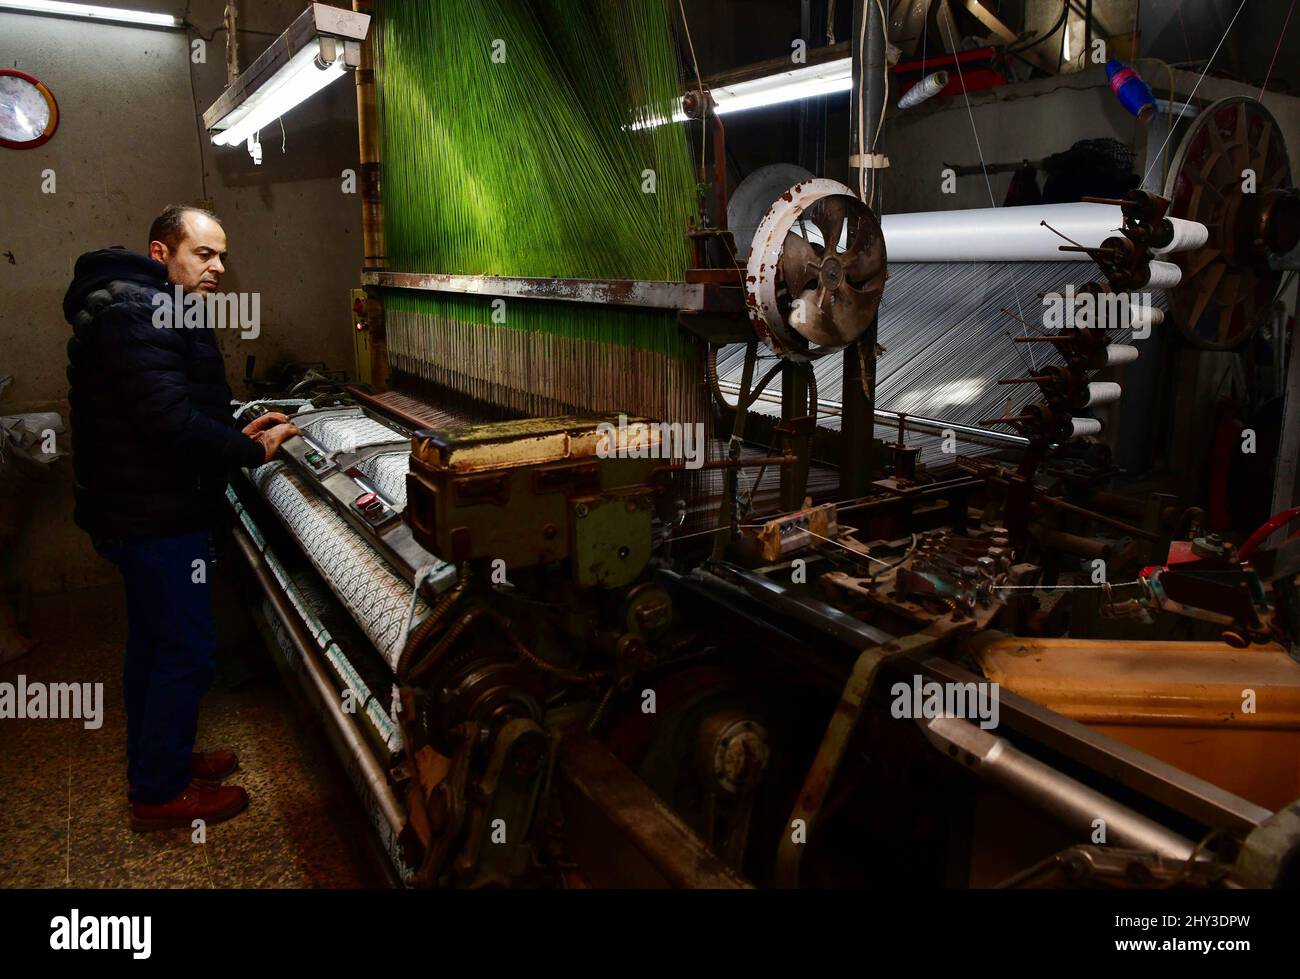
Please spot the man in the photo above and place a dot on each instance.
(153, 443)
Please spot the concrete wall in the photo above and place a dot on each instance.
(128, 143)
(1026, 121)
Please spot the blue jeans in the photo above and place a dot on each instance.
(171, 651)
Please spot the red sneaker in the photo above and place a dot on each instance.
(199, 800)
(213, 765)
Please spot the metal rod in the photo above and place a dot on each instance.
(646, 294)
(351, 739)
(372, 201)
(1167, 785)
(914, 423)
(1073, 803)
(728, 464)
(1101, 518)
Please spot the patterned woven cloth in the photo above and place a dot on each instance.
(370, 590)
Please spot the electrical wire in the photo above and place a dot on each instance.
(1016, 48)
(980, 150)
(884, 103)
(190, 25)
(1183, 111)
(198, 118)
(699, 85)
(1164, 169)
(1280, 38)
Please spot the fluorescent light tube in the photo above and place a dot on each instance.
(93, 11)
(298, 80)
(786, 86)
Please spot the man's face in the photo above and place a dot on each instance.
(196, 263)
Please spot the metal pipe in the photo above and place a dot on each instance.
(372, 201)
(913, 423)
(1167, 785)
(1163, 783)
(372, 205)
(1074, 544)
(874, 67)
(344, 731)
(672, 467)
(866, 103)
(1101, 518)
(1073, 803)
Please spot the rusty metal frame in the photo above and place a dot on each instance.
(695, 297)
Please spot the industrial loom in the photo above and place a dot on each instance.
(553, 651)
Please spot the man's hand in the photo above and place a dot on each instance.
(270, 419)
(272, 438)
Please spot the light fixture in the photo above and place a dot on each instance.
(785, 86)
(319, 46)
(806, 82)
(93, 11)
(305, 75)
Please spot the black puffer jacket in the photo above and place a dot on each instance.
(153, 439)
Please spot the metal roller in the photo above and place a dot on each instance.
(1011, 234)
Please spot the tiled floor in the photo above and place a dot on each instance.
(63, 821)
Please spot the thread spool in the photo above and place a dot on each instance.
(1133, 93)
(1102, 393)
(1084, 426)
(1118, 354)
(1164, 275)
(926, 88)
(1187, 236)
(1143, 318)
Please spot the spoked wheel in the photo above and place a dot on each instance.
(1232, 174)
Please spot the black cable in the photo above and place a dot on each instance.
(194, 100)
(189, 25)
(1065, 12)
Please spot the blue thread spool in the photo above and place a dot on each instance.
(1133, 93)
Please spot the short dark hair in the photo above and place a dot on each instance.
(169, 226)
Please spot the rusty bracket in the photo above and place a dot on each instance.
(821, 775)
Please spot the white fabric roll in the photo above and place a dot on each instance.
(999, 234)
(1085, 426)
(1012, 234)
